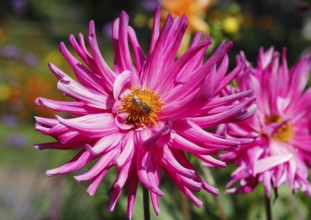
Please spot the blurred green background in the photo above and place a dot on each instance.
(30, 31)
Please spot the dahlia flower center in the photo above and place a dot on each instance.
(142, 106)
(284, 133)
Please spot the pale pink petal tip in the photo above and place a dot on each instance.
(52, 172)
(92, 28)
(211, 189)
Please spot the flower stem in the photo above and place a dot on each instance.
(184, 207)
(146, 203)
(210, 179)
(268, 208)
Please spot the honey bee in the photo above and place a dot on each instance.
(143, 107)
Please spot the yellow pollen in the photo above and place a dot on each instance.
(284, 133)
(142, 106)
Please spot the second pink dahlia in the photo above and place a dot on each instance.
(281, 152)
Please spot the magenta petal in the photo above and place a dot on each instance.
(120, 82)
(212, 162)
(68, 86)
(302, 142)
(192, 197)
(104, 70)
(55, 145)
(95, 183)
(254, 154)
(128, 150)
(193, 132)
(76, 163)
(146, 173)
(101, 165)
(77, 108)
(210, 189)
(155, 202)
(114, 194)
(191, 184)
(178, 70)
(105, 144)
(132, 188)
(138, 52)
(169, 160)
(183, 144)
(155, 29)
(118, 185)
(89, 124)
(84, 75)
(207, 121)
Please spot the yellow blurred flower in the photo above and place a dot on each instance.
(3, 36)
(231, 24)
(5, 92)
(54, 57)
(195, 10)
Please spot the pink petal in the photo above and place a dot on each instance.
(102, 164)
(210, 189)
(155, 202)
(183, 144)
(105, 72)
(146, 172)
(81, 50)
(138, 52)
(270, 162)
(132, 188)
(210, 120)
(84, 75)
(194, 133)
(78, 108)
(170, 162)
(123, 79)
(155, 29)
(88, 125)
(114, 193)
(55, 145)
(118, 185)
(105, 144)
(212, 162)
(82, 158)
(128, 150)
(95, 183)
(68, 86)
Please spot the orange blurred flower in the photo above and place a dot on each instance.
(195, 10)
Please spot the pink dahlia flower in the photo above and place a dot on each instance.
(281, 151)
(144, 114)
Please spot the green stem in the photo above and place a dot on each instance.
(268, 208)
(184, 207)
(146, 203)
(210, 180)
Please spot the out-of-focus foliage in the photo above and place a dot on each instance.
(30, 32)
